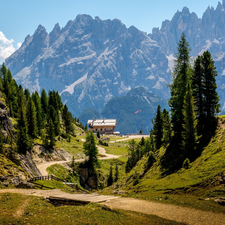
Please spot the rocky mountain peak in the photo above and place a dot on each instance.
(185, 11)
(54, 34)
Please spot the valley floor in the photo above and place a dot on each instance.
(166, 211)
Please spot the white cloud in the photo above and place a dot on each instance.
(6, 47)
(19, 45)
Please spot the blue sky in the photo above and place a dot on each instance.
(20, 18)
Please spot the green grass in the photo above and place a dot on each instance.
(53, 184)
(105, 166)
(21, 209)
(116, 148)
(74, 147)
(58, 171)
(186, 187)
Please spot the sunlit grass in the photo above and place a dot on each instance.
(21, 209)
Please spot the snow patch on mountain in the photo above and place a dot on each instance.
(206, 47)
(171, 62)
(70, 88)
(77, 60)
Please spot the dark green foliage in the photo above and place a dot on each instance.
(40, 117)
(98, 134)
(197, 87)
(67, 119)
(158, 128)
(142, 142)
(103, 143)
(181, 77)
(190, 124)
(110, 177)
(151, 160)
(44, 101)
(54, 116)
(134, 155)
(211, 99)
(166, 127)
(116, 176)
(186, 164)
(31, 118)
(23, 140)
(91, 150)
(51, 133)
(27, 94)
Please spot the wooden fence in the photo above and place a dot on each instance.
(49, 177)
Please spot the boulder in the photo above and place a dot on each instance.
(220, 201)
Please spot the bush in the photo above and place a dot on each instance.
(186, 164)
(103, 143)
(64, 135)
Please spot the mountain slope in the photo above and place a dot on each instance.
(123, 108)
(90, 61)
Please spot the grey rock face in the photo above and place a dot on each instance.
(89, 61)
(206, 33)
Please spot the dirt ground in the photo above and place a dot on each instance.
(171, 212)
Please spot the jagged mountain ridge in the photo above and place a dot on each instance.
(90, 61)
(206, 33)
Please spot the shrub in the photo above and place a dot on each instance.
(186, 164)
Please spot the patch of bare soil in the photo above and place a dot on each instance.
(20, 211)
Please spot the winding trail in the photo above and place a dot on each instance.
(43, 166)
(167, 211)
(130, 137)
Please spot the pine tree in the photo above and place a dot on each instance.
(23, 141)
(211, 99)
(27, 94)
(91, 150)
(158, 128)
(31, 118)
(51, 133)
(181, 77)
(166, 127)
(67, 119)
(189, 133)
(44, 101)
(54, 116)
(110, 177)
(116, 173)
(197, 87)
(39, 112)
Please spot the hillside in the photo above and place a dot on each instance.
(204, 179)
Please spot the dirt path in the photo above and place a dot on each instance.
(171, 212)
(130, 137)
(43, 166)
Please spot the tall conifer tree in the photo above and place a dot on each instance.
(31, 118)
(181, 77)
(158, 128)
(190, 124)
(211, 98)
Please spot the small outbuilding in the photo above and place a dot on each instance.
(104, 126)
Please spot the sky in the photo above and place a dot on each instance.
(20, 18)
